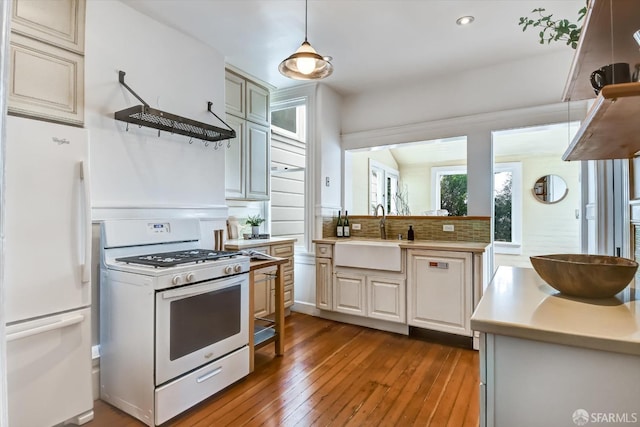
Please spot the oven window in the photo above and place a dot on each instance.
(204, 319)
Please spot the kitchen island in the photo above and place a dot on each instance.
(549, 359)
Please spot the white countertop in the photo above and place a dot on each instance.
(239, 244)
(438, 245)
(519, 303)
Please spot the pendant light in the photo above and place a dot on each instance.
(305, 63)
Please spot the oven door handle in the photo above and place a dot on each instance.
(209, 375)
(188, 291)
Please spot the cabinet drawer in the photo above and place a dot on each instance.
(200, 384)
(324, 250)
(45, 81)
(288, 278)
(282, 251)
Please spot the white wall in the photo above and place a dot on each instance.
(171, 72)
(537, 80)
(137, 173)
(328, 147)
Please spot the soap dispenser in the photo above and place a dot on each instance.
(410, 233)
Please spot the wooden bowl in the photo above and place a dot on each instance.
(585, 276)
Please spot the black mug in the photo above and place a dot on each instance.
(610, 74)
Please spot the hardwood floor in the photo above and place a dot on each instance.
(335, 374)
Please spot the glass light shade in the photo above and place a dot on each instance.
(306, 64)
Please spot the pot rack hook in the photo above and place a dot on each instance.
(127, 127)
(190, 140)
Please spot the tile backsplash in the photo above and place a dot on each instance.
(466, 229)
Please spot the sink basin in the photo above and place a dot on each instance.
(371, 254)
(585, 276)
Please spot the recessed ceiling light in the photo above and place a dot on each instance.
(465, 20)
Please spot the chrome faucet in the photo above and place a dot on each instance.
(383, 232)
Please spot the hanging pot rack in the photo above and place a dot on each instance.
(144, 115)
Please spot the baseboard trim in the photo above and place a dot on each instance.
(312, 310)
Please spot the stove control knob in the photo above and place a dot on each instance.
(237, 268)
(176, 280)
(228, 269)
(190, 277)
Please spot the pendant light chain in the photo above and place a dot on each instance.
(306, 16)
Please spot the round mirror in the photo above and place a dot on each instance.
(550, 189)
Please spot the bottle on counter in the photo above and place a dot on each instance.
(410, 233)
(346, 230)
(339, 226)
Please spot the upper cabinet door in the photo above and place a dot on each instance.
(257, 104)
(59, 22)
(234, 168)
(235, 88)
(258, 162)
(46, 82)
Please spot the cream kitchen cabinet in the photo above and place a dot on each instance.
(375, 294)
(248, 160)
(46, 77)
(349, 292)
(264, 288)
(234, 96)
(370, 293)
(324, 276)
(440, 290)
(386, 298)
(58, 23)
(246, 99)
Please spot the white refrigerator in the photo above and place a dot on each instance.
(47, 273)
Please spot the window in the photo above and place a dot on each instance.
(289, 120)
(450, 189)
(383, 187)
(507, 197)
(450, 193)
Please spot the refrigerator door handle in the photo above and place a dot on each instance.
(62, 323)
(84, 178)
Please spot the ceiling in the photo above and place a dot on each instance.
(373, 43)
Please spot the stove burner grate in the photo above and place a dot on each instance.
(171, 259)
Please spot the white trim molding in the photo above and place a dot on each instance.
(203, 212)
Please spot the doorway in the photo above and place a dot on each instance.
(538, 196)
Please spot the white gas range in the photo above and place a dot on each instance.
(173, 317)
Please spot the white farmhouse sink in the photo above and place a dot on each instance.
(371, 254)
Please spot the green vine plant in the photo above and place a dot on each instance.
(554, 29)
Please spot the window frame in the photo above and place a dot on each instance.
(513, 247)
(300, 134)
